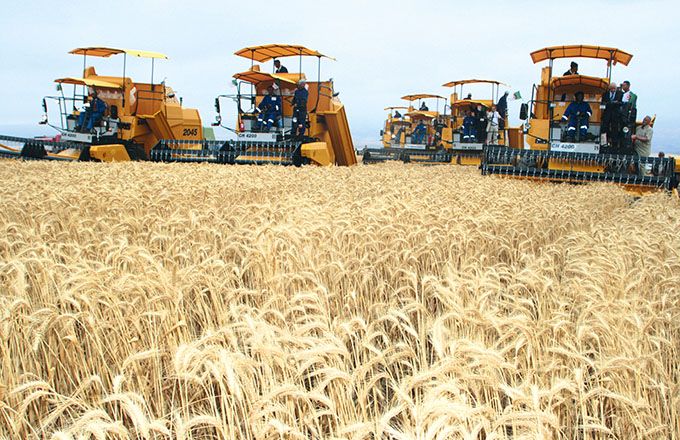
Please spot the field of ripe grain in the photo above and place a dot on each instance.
(152, 301)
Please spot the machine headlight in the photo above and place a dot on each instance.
(394, 136)
(626, 130)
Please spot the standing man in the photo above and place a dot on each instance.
(300, 109)
(502, 108)
(492, 128)
(279, 68)
(629, 100)
(642, 139)
(468, 127)
(480, 123)
(573, 69)
(611, 117)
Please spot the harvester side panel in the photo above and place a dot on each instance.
(340, 135)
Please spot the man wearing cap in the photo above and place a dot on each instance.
(300, 109)
(578, 113)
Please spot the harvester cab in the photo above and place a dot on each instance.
(108, 118)
(466, 134)
(425, 122)
(573, 134)
(283, 118)
(396, 124)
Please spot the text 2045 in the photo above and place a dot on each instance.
(190, 132)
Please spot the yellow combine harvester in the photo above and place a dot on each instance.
(584, 142)
(281, 118)
(418, 128)
(466, 143)
(120, 119)
(416, 134)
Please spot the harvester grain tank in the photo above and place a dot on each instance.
(130, 119)
(591, 150)
(265, 136)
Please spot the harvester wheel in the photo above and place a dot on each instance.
(85, 155)
(136, 151)
(298, 160)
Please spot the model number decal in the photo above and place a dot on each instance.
(190, 132)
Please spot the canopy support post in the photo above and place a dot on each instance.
(124, 90)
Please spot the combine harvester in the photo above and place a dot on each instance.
(415, 135)
(273, 135)
(131, 118)
(588, 153)
(469, 151)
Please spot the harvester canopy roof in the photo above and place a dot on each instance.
(257, 77)
(422, 114)
(271, 51)
(470, 103)
(473, 81)
(421, 96)
(93, 82)
(579, 83)
(396, 108)
(106, 52)
(581, 51)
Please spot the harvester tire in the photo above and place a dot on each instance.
(298, 160)
(85, 155)
(136, 151)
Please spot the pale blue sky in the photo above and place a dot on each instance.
(384, 49)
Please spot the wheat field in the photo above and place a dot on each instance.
(158, 301)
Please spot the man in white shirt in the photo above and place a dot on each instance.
(642, 139)
(492, 126)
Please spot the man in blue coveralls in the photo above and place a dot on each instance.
(300, 109)
(270, 110)
(419, 133)
(92, 114)
(578, 114)
(469, 127)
